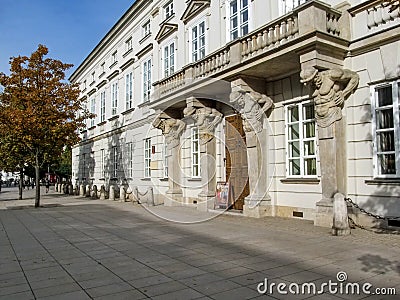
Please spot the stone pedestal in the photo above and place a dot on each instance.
(94, 192)
(112, 193)
(174, 193)
(122, 194)
(208, 179)
(102, 193)
(340, 216)
(332, 150)
(87, 191)
(258, 203)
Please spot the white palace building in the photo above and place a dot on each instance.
(267, 107)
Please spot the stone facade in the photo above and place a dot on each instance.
(315, 86)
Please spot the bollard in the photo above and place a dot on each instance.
(56, 187)
(81, 190)
(102, 193)
(150, 197)
(122, 194)
(62, 188)
(71, 189)
(340, 217)
(87, 192)
(112, 193)
(94, 192)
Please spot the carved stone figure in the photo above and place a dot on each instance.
(171, 129)
(206, 119)
(331, 88)
(252, 106)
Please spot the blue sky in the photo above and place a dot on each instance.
(69, 28)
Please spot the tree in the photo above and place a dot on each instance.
(40, 110)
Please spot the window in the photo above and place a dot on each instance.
(103, 106)
(169, 59)
(84, 85)
(114, 58)
(128, 90)
(128, 44)
(169, 9)
(147, 158)
(114, 98)
(195, 152)
(239, 18)
(146, 28)
(102, 164)
(146, 80)
(288, 5)
(102, 68)
(93, 111)
(199, 41)
(386, 129)
(129, 154)
(301, 140)
(115, 161)
(165, 159)
(84, 166)
(93, 77)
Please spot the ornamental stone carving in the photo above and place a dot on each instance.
(206, 119)
(171, 129)
(252, 106)
(330, 89)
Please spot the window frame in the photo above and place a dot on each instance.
(194, 140)
(301, 140)
(102, 164)
(128, 44)
(168, 67)
(146, 28)
(93, 111)
(115, 161)
(129, 156)
(240, 24)
(147, 158)
(102, 106)
(147, 79)
(168, 6)
(198, 52)
(114, 58)
(114, 98)
(129, 90)
(395, 88)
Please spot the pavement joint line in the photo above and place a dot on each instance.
(16, 256)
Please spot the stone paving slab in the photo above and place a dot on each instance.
(78, 248)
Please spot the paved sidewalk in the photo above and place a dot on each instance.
(77, 248)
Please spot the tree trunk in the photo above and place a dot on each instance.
(37, 174)
(21, 178)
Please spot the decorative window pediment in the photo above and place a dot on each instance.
(165, 30)
(194, 7)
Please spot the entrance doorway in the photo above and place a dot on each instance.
(236, 161)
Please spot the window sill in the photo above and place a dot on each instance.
(169, 18)
(127, 52)
(102, 74)
(102, 179)
(101, 123)
(113, 64)
(194, 179)
(114, 179)
(113, 118)
(300, 181)
(163, 179)
(144, 103)
(145, 179)
(92, 127)
(383, 181)
(128, 111)
(145, 38)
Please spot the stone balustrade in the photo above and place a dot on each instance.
(270, 36)
(212, 63)
(171, 83)
(380, 14)
(332, 23)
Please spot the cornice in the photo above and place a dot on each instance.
(194, 8)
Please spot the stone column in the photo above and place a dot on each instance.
(330, 88)
(253, 106)
(112, 193)
(122, 194)
(172, 129)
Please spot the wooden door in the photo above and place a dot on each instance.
(236, 161)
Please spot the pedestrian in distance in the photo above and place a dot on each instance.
(32, 184)
(47, 185)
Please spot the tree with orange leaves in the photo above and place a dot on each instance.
(40, 112)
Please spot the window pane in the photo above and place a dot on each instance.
(234, 23)
(294, 167)
(309, 130)
(245, 30)
(244, 3)
(309, 148)
(294, 149)
(385, 118)
(294, 114)
(385, 96)
(387, 163)
(233, 7)
(308, 112)
(244, 16)
(386, 141)
(310, 166)
(294, 132)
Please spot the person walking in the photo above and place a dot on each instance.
(47, 185)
